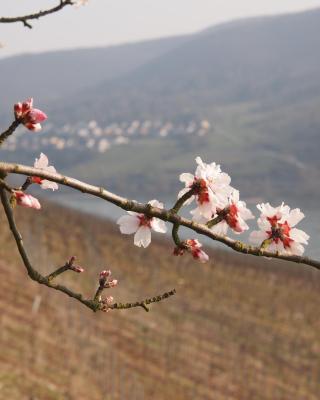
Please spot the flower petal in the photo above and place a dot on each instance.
(45, 184)
(128, 224)
(142, 237)
(158, 225)
(41, 162)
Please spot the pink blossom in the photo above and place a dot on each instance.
(277, 232)
(210, 187)
(43, 163)
(141, 225)
(104, 274)
(29, 116)
(194, 247)
(26, 200)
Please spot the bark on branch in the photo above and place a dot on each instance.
(163, 214)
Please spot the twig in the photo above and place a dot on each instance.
(215, 220)
(175, 209)
(180, 202)
(144, 303)
(4, 135)
(163, 214)
(4, 184)
(25, 18)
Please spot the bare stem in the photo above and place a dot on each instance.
(180, 202)
(25, 18)
(57, 272)
(4, 135)
(215, 220)
(144, 303)
(4, 184)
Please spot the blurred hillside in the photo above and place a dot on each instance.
(239, 328)
(245, 94)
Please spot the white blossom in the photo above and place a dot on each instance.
(141, 225)
(211, 188)
(277, 232)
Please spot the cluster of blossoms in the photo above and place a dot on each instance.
(26, 200)
(105, 282)
(218, 203)
(219, 207)
(31, 117)
(215, 199)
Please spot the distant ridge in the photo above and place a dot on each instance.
(256, 81)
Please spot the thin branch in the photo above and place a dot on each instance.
(215, 220)
(175, 209)
(4, 135)
(180, 202)
(25, 18)
(4, 184)
(144, 303)
(175, 235)
(163, 214)
(94, 305)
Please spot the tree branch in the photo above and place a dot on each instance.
(94, 304)
(163, 214)
(25, 18)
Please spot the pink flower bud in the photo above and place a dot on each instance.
(194, 247)
(35, 116)
(105, 274)
(21, 109)
(77, 269)
(17, 108)
(72, 260)
(29, 116)
(26, 200)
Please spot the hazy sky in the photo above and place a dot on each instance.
(105, 22)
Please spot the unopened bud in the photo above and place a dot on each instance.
(76, 268)
(103, 276)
